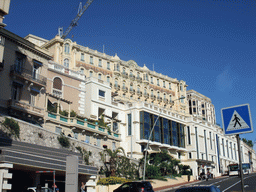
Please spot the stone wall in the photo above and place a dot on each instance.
(34, 134)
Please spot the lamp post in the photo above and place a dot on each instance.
(145, 159)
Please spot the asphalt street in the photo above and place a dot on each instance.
(228, 184)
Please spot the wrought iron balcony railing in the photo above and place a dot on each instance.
(27, 74)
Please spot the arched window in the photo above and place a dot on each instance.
(131, 86)
(152, 92)
(91, 73)
(158, 94)
(164, 96)
(81, 70)
(99, 76)
(66, 63)
(170, 98)
(108, 79)
(57, 87)
(66, 48)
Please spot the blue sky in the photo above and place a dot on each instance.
(210, 44)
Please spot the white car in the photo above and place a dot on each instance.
(44, 189)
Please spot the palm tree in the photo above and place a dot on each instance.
(113, 156)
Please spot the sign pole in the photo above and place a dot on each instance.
(240, 162)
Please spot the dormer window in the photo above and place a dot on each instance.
(181, 87)
(158, 82)
(66, 48)
(164, 84)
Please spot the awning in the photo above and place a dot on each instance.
(37, 62)
(35, 90)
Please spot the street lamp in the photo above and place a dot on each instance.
(144, 169)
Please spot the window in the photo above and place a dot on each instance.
(164, 96)
(190, 155)
(108, 66)
(203, 112)
(158, 82)
(66, 63)
(32, 100)
(19, 60)
(170, 98)
(129, 124)
(75, 135)
(181, 87)
(194, 103)
(99, 76)
(82, 56)
(98, 142)
(179, 155)
(91, 60)
(151, 80)
(58, 130)
(108, 79)
(202, 156)
(227, 148)
(164, 84)
(223, 147)
(91, 73)
(170, 86)
(202, 105)
(210, 133)
(66, 48)
(87, 139)
(152, 93)
(230, 144)
(189, 139)
(113, 146)
(100, 63)
(2, 39)
(205, 143)
(101, 93)
(194, 109)
(57, 87)
(16, 89)
(182, 100)
(81, 70)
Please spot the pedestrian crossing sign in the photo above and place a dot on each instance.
(236, 119)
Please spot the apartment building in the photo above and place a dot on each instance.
(107, 102)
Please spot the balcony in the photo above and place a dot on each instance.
(124, 89)
(124, 75)
(146, 95)
(117, 70)
(132, 91)
(165, 100)
(139, 79)
(132, 77)
(159, 99)
(25, 107)
(153, 97)
(27, 75)
(139, 93)
(146, 81)
(83, 125)
(117, 87)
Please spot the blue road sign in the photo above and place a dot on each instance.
(237, 119)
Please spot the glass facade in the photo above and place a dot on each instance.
(165, 131)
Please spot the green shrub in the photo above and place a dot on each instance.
(80, 117)
(13, 126)
(111, 181)
(64, 142)
(64, 113)
(72, 113)
(52, 108)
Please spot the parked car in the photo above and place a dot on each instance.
(211, 188)
(44, 189)
(135, 186)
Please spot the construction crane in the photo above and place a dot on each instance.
(74, 21)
